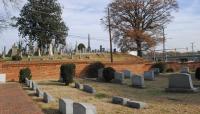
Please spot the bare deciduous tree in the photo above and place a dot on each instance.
(137, 24)
(5, 13)
(7, 3)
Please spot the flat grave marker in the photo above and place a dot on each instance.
(119, 100)
(136, 104)
(89, 89)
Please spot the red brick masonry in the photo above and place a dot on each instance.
(51, 70)
(14, 100)
(42, 70)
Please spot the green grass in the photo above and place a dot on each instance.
(100, 95)
(159, 101)
(86, 57)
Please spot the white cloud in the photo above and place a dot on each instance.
(185, 27)
(83, 17)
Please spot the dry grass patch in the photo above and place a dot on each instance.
(159, 101)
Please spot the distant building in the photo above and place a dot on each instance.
(133, 53)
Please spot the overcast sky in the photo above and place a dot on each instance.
(83, 18)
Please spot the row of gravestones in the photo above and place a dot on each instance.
(66, 106)
(34, 86)
(137, 81)
(128, 102)
(115, 99)
(181, 82)
(184, 85)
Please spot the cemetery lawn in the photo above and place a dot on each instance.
(158, 100)
(104, 57)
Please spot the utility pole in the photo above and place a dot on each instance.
(175, 52)
(111, 51)
(154, 55)
(164, 41)
(192, 50)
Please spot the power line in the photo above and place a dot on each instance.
(70, 35)
(83, 37)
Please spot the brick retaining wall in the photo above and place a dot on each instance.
(51, 70)
(176, 66)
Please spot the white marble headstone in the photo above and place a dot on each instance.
(50, 50)
(2, 78)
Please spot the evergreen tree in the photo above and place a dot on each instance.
(81, 46)
(40, 21)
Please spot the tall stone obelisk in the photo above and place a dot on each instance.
(89, 47)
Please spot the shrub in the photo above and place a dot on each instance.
(161, 65)
(23, 74)
(197, 73)
(170, 70)
(91, 71)
(81, 46)
(67, 72)
(108, 74)
(16, 58)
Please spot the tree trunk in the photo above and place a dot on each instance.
(30, 47)
(139, 48)
(139, 53)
